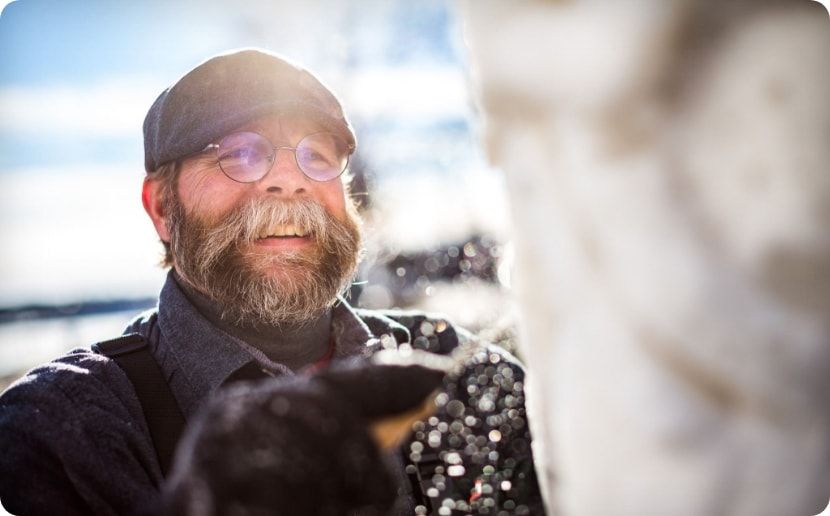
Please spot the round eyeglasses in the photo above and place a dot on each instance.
(247, 157)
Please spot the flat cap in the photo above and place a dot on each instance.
(227, 91)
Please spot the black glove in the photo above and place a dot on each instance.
(296, 446)
(384, 387)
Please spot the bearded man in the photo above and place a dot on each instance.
(246, 158)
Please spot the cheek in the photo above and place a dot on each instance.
(204, 194)
(334, 201)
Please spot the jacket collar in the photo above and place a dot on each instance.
(197, 357)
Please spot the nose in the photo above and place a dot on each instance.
(285, 177)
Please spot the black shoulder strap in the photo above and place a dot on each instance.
(161, 411)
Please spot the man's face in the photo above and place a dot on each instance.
(276, 250)
(204, 189)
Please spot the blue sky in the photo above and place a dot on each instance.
(71, 42)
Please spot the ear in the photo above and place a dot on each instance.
(151, 198)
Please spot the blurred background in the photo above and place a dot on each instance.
(684, 265)
(79, 255)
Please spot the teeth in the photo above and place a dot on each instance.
(279, 230)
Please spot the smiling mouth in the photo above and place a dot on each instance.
(283, 231)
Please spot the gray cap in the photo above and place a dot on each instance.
(227, 91)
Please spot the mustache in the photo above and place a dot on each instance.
(244, 224)
(247, 222)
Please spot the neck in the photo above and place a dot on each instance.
(290, 345)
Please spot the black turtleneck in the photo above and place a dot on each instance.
(294, 347)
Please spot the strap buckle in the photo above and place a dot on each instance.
(120, 345)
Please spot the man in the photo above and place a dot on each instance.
(245, 158)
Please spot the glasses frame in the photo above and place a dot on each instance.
(274, 149)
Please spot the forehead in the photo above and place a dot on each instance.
(283, 127)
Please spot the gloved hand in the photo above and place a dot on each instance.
(302, 445)
(393, 394)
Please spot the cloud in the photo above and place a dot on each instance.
(109, 108)
(407, 92)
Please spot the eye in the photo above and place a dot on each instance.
(242, 154)
(316, 159)
(245, 154)
(314, 155)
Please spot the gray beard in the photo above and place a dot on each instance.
(255, 287)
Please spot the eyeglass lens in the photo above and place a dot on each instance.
(247, 157)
